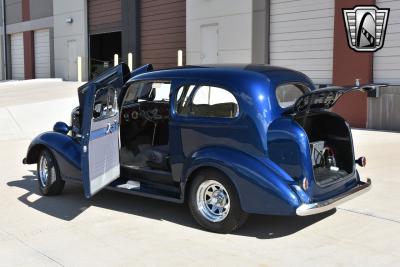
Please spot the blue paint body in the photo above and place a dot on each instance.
(240, 147)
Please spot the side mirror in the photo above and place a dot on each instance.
(61, 127)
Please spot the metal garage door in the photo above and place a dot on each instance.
(301, 37)
(42, 53)
(162, 30)
(17, 56)
(387, 60)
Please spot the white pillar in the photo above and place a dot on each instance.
(115, 59)
(79, 69)
(130, 61)
(180, 58)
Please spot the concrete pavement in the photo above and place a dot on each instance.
(30, 107)
(114, 229)
(35, 91)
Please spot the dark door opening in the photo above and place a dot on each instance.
(102, 49)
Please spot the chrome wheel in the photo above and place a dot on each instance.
(43, 171)
(213, 200)
(48, 174)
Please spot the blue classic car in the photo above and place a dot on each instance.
(227, 139)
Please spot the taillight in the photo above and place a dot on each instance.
(362, 161)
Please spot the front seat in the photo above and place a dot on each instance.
(158, 157)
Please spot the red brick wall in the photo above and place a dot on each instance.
(29, 53)
(349, 65)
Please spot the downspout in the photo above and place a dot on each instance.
(268, 31)
(88, 44)
(5, 70)
(136, 29)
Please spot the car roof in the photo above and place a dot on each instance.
(223, 71)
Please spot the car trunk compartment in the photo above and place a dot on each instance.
(331, 146)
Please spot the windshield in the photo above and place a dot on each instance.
(287, 94)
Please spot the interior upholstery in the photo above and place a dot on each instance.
(225, 110)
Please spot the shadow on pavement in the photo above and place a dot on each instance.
(72, 203)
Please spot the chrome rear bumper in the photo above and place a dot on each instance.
(318, 207)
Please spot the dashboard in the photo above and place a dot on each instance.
(150, 111)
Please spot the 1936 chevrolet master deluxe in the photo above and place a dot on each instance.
(229, 140)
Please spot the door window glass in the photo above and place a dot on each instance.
(105, 105)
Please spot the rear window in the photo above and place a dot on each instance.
(288, 93)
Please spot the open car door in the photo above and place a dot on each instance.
(100, 129)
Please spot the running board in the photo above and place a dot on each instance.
(151, 190)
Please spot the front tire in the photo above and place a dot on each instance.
(48, 174)
(214, 202)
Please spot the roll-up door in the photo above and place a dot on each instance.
(17, 56)
(387, 60)
(42, 53)
(301, 37)
(104, 16)
(162, 31)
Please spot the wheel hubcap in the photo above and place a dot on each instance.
(213, 201)
(43, 171)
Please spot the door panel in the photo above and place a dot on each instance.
(103, 153)
(103, 147)
(209, 44)
(100, 129)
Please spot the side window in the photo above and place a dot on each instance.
(105, 104)
(287, 94)
(206, 101)
(148, 91)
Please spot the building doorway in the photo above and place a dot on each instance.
(102, 49)
(209, 44)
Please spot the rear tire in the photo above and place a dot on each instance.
(214, 202)
(48, 174)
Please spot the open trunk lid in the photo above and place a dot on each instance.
(325, 98)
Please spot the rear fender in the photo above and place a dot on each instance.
(262, 186)
(288, 147)
(65, 149)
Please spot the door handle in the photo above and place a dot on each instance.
(108, 128)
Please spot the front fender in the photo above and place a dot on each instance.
(262, 186)
(65, 149)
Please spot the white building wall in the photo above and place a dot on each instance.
(234, 21)
(301, 37)
(67, 33)
(387, 60)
